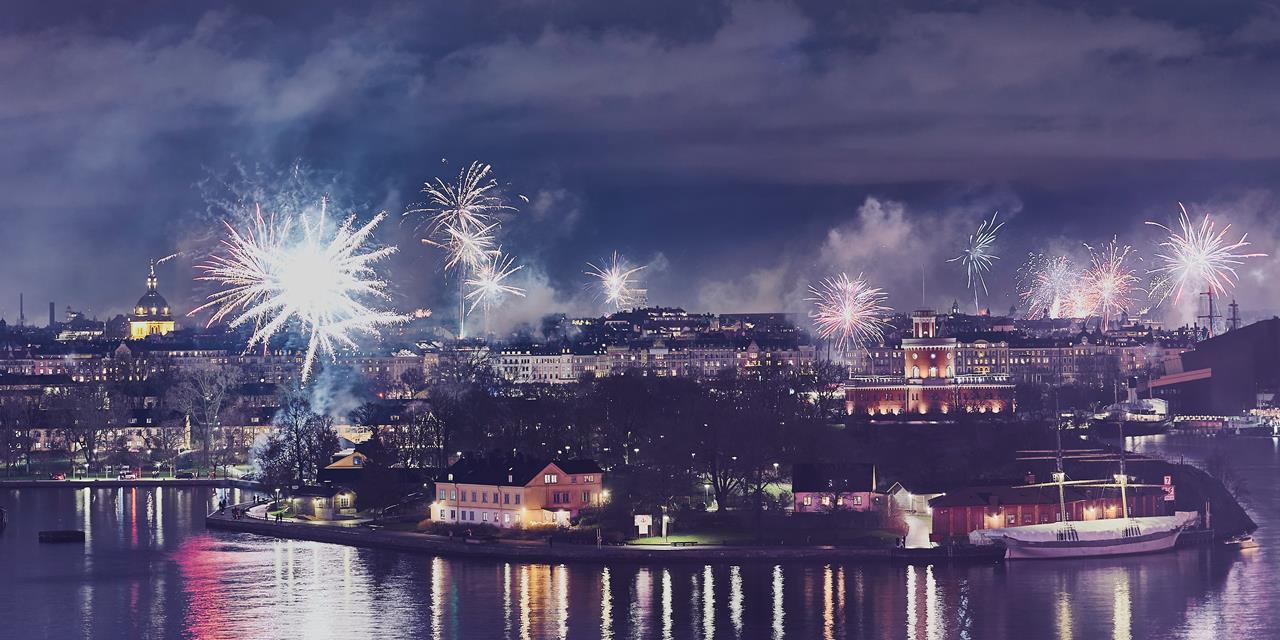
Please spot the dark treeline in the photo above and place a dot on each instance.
(662, 438)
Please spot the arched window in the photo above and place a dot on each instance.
(950, 371)
(933, 372)
(915, 372)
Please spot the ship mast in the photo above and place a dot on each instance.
(1123, 477)
(1060, 477)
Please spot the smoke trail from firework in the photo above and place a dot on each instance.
(1046, 284)
(1109, 282)
(618, 283)
(979, 255)
(850, 311)
(1195, 257)
(273, 273)
(488, 283)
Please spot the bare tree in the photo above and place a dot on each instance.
(460, 391)
(202, 394)
(91, 415)
(309, 438)
(17, 417)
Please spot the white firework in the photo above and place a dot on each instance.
(273, 274)
(618, 283)
(468, 249)
(467, 205)
(1047, 283)
(488, 284)
(979, 255)
(848, 310)
(462, 219)
(1196, 257)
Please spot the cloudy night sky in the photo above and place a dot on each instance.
(742, 150)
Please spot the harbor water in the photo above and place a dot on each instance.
(149, 569)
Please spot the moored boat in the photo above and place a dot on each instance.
(1133, 417)
(1088, 538)
(62, 535)
(1241, 542)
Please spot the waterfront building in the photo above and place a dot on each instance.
(928, 382)
(824, 488)
(959, 511)
(323, 502)
(516, 491)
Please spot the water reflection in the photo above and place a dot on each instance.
(1122, 626)
(151, 571)
(735, 599)
(778, 614)
(606, 606)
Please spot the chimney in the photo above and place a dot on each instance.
(52, 321)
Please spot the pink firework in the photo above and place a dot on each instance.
(848, 310)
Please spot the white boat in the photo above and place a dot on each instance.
(1088, 538)
(1134, 417)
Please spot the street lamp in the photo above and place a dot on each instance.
(706, 494)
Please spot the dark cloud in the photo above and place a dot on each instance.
(744, 143)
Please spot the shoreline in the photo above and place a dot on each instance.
(527, 551)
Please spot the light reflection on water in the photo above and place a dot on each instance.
(149, 570)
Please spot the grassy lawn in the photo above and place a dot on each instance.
(745, 537)
(710, 537)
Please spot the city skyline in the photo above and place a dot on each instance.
(373, 108)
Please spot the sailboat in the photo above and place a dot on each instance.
(1125, 535)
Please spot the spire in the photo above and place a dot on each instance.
(151, 277)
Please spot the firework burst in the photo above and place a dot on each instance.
(618, 283)
(848, 310)
(1046, 284)
(488, 283)
(461, 218)
(272, 274)
(979, 256)
(1109, 282)
(465, 206)
(1197, 256)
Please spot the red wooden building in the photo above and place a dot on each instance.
(958, 512)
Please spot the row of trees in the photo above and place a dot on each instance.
(736, 433)
(92, 421)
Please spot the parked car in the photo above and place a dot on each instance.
(57, 476)
(184, 475)
(127, 474)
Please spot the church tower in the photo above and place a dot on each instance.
(151, 315)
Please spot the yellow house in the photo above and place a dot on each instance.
(517, 492)
(151, 315)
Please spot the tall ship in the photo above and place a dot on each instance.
(1133, 417)
(1126, 535)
